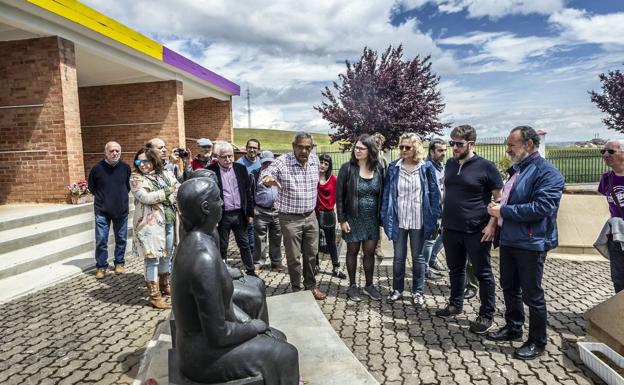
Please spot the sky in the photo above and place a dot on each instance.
(501, 63)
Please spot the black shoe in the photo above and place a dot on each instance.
(432, 276)
(448, 311)
(354, 293)
(337, 273)
(251, 272)
(481, 325)
(504, 334)
(469, 293)
(436, 266)
(528, 351)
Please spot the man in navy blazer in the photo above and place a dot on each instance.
(527, 225)
(235, 186)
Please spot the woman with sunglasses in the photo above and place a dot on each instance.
(410, 208)
(154, 190)
(358, 200)
(325, 204)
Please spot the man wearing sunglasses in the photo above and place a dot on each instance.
(470, 182)
(612, 186)
(527, 222)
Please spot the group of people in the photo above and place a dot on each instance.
(462, 205)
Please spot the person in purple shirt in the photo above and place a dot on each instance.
(234, 183)
(612, 186)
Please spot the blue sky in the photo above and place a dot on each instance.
(502, 63)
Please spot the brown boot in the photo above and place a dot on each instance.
(154, 296)
(164, 283)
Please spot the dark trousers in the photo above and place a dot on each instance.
(330, 241)
(616, 258)
(235, 221)
(457, 246)
(521, 274)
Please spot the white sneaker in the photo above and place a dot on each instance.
(419, 300)
(395, 296)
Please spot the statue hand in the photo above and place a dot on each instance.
(260, 325)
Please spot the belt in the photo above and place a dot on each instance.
(230, 212)
(298, 214)
(265, 208)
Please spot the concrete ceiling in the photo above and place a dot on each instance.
(96, 70)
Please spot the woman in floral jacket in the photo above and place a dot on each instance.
(154, 191)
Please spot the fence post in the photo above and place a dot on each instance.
(542, 146)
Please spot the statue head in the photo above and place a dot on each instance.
(200, 202)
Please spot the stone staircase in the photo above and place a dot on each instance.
(41, 247)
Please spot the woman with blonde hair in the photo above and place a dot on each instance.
(154, 190)
(410, 208)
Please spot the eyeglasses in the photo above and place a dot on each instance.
(359, 148)
(140, 163)
(206, 147)
(405, 148)
(453, 143)
(609, 150)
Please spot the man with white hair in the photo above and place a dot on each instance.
(109, 182)
(235, 186)
(612, 186)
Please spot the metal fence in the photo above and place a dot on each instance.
(577, 165)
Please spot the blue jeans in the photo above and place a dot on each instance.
(250, 236)
(418, 261)
(616, 258)
(431, 249)
(120, 229)
(155, 266)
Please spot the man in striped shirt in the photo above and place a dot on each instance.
(296, 175)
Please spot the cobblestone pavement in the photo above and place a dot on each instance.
(88, 331)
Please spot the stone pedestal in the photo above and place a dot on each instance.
(605, 322)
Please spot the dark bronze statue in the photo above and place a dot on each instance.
(217, 341)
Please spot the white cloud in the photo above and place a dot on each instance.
(490, 8)
(578, 25)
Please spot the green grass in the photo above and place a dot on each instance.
(279, 140)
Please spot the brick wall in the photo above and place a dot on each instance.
(39, 132)
(207, 118)
(130, 114)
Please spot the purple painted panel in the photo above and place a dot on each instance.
(175, 59)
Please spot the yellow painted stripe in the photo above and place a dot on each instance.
(90, 18)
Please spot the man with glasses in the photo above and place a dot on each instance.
(296, 175)
(612, 186)
(204, 156)
(235, 186)
(527, 221)
(470, 182)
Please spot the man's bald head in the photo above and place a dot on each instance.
(112, 152)
(159, 146)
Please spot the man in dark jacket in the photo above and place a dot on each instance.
(235, 186)
(527, 220)
(109, 182)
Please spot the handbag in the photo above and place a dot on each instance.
(326, 219)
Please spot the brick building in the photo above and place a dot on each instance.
(72, 79)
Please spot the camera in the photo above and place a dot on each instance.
(182, 153)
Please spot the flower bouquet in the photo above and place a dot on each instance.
(80, 192)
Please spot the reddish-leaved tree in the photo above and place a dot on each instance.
(611, 101)
(384, 94)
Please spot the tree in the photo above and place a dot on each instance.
(387, 95)
(611, 101)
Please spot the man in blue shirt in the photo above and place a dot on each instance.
(251, 162)
(266, 220)
(527, 223)
(109, 182)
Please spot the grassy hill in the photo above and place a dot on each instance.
(278, 140)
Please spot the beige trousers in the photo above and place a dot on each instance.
(300, 233)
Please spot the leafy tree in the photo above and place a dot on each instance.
(611, 101)
(384, 94)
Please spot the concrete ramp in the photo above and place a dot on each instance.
(323, 358)
(579, 221)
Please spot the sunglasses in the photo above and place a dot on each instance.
(138, 163)
(609, 150)
(206, 147)
(453, 143)
(405, 148)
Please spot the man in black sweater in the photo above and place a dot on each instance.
(109, 181)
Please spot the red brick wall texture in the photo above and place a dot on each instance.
(40, 145)
(207, 118)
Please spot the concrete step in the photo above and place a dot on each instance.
(37, 279)
(25, 236)
(41, 254)
(20, 216)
